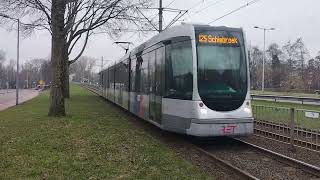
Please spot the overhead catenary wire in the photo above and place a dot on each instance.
(170, 3)
(210, 5)
(235, 10)
(189, 13)
(195, 5)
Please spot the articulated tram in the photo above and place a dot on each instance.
(190, 79)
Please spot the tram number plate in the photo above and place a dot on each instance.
(228, 129)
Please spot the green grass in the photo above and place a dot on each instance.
(313, 95)
(95, 141)
(280, 112)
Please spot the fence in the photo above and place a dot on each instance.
(295, 126)
(292, 99)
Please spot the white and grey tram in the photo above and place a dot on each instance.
(190, 79)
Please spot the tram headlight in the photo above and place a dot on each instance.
(203, 111)
(247, 110)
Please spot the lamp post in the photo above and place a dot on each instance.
(18, 49)
(264, 51)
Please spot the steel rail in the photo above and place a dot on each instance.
(314, 170)
(225, 164)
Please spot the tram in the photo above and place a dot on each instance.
(190, 79)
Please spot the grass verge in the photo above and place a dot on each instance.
(92, 142)
(279, 112)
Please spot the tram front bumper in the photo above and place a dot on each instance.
(221, 127)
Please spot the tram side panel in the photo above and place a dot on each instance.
(116, 85)
(112, 83)
(178, 90)
(133, 87)
(157, 84)
(152, 97)
(139, 86)
(109, 89)
(144, 87)
(125, 82)
(121, 84)
(105, 80)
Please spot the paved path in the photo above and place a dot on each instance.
(8, 98)
(4, 91)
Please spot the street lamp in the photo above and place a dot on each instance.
(18, 49)
(264, 51)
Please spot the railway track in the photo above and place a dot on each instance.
(253, 162)
(247, 161)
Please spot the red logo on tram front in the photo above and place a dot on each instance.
(228, 129)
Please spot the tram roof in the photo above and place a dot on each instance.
(184, 29)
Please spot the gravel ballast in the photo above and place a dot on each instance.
(302, 154)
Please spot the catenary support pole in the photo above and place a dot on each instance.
(292, 127)
(17, 73)
(263, 60)
(160, 15)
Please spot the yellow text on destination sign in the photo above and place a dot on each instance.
(203, 38)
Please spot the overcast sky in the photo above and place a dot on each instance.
(291, 18)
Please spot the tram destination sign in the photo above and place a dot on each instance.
(212, 39)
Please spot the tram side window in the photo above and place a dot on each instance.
(117, 77)
(126, 74)
(108, 79)
(122, 75)
(144, 83)
(159, 71)
(138, 74)
(112, 77)
(133, 75)
(105, 78)
(178, 68)
(101, 79)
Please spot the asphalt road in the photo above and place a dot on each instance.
(8, 97)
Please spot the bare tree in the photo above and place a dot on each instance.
(2, 56)
(313, 73)
(11, 73)
(46, 72)
(71, 22)
(256, 56)
(32, 72)
(2, 69)
(301, 54)
(274, 52)
(296, 54)
(82, 69)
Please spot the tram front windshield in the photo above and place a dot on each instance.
(222, 69)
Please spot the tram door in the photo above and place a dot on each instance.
(155, 97)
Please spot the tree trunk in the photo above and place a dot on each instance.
(66, 82)
(57, 107)
(66, 89)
